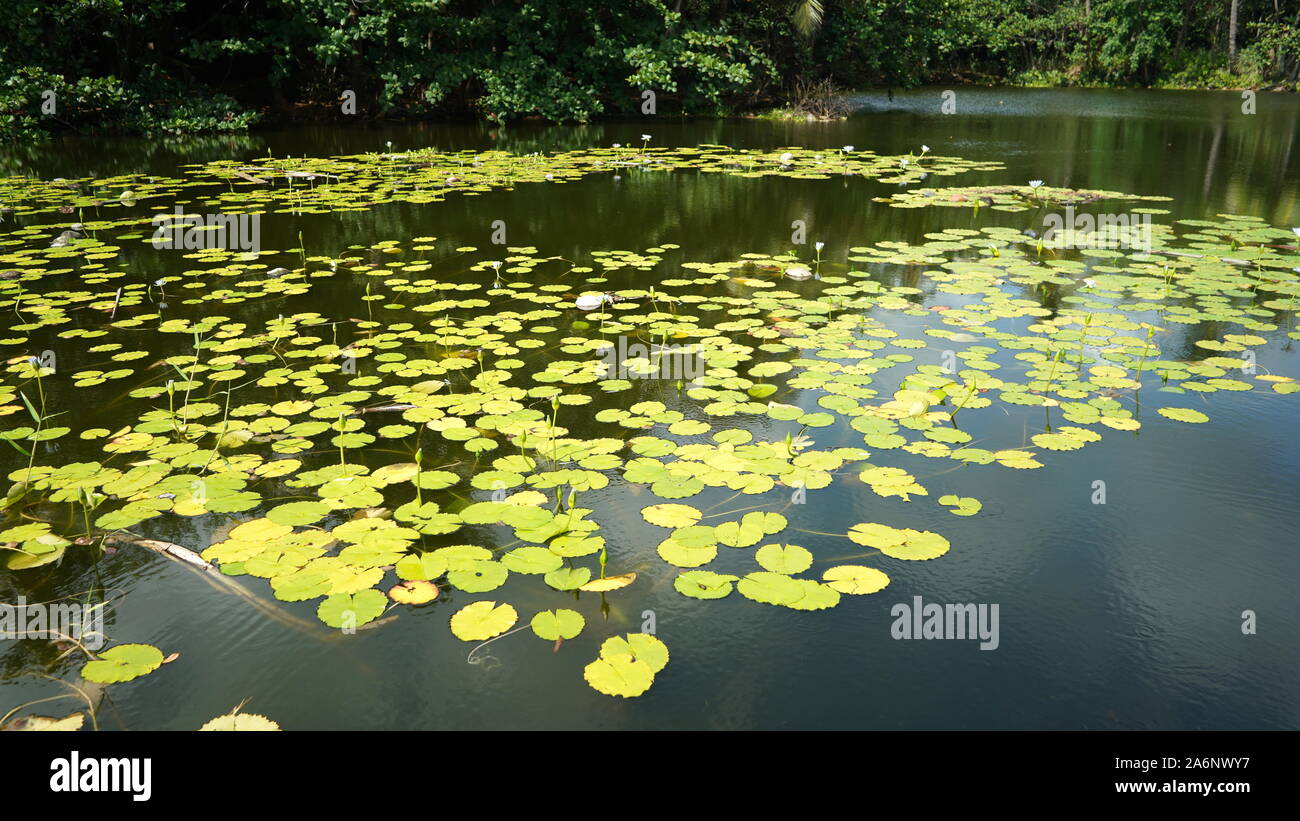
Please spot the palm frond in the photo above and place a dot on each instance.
(807, 17)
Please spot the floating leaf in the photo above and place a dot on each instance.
(770, 588)
(787, 559)
(855, 580)
(608, 583)
(961, 505)
(877, 536)
(245, 722)
(704, 584)
(37, 723)
(482, 620)
(621, 675)
(920, 545)
(670, 515)
(297, 513)
(349, 611)
(122, 663)
(1183, 415)
(641, 646)
(413, 592)
(558, 624)
(422, 566)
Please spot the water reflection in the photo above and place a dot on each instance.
(1127, 617)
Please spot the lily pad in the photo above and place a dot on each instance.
(482, 620)
(122, 663)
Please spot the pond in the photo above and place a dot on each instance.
(865, 354)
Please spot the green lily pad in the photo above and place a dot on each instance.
(482, 620)
(351, 610)
(558, 624)
(122, 663)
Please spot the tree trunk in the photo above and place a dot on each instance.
(1232, 36)
(1182, 31)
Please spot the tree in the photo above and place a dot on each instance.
(1232, 36)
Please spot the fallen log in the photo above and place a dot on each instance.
(178, 552)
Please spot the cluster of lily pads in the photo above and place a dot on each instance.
(450, 438)
(362, 181)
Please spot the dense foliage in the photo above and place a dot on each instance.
(184, 66)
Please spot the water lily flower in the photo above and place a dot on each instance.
(903, 162)
(798, 272)
(590, 302)
(645, 137)
(618, 145)
(925, 149)
(819, 245)
(801, 442)
(1296, 231)
(848, 149)
(1035, 183)
(1089, 282)
(787, 158)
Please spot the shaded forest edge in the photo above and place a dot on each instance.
(182, 66)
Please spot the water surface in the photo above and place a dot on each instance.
(1124, 615)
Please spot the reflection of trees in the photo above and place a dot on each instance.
(73, 157)
(1179, 342)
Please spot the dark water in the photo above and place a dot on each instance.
(1123, 615)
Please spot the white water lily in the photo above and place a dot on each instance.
(787, 158)
(903, 162)
(819, 245)
(925, 149)
(645, 137)
(798, 272)
(590, 302)
(1035, 183)
(618, 145)
(1089, 282)
(847, 149)
(1296, 231)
